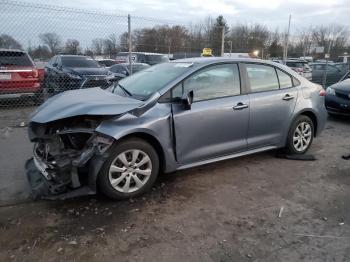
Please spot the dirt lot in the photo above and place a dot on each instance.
(226, 211)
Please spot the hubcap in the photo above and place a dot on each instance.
(302, 136)
(130, 171)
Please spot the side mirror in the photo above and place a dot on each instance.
(187, 100)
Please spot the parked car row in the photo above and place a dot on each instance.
(20, 77)
(66, 72)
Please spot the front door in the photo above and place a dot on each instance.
(217, 123)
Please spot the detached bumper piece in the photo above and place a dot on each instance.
(41, 188)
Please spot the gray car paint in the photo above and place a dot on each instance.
(191, 137)
(90, 101)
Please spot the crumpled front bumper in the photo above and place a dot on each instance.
(68, 176)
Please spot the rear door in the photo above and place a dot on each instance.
(217, 123)
(272, 101)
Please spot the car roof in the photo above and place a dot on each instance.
(144, 53)
(297, 60)
(74, 56)
(12, 50)
(106, 59)
(132, 64)
(211, 60)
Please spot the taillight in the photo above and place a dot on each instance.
(35, 73)
(322, 93)
(30, 73)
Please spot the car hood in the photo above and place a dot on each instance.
(343, 86)
(90, 101)
(87, 71)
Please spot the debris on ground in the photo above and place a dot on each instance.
(346, 157)
(281, 211)
(305, 157)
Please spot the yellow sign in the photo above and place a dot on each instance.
(207, 52)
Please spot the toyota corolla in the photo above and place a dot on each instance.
(169, 117)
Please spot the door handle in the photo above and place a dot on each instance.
(288, 97)
(240, 106)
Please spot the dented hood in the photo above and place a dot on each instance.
(91, 101)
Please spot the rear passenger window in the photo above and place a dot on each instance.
(284, 79)
(262, 78)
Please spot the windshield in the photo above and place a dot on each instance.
(157, 58)
(79, 62)
(146, 82)
(14, 59)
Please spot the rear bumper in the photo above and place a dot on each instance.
(16, 95)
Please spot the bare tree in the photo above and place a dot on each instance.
(52, 41)
(123, 41)
(97, 46)
(110, 46)
(72, 47)
(333, 37)
(7, 41)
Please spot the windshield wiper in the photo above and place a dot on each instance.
(125, 90)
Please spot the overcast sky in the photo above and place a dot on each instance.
(270, 12)
(27, 23)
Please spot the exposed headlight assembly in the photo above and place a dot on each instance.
(330, 91)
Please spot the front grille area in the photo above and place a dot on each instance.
(95, 83)
(344, 96)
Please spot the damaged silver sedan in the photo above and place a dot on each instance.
(169, 117)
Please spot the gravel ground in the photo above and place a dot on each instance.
(228, 211)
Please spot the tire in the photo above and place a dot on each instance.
(298, 142)
(115, 174)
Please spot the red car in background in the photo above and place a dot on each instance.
(19, 76)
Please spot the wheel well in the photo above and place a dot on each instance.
(154, 142)
(313, 118)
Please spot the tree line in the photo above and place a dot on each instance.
(240, 37)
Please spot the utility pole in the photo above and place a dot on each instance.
(223, 41)
(324, 82)
(286, 42)
(230, 46)
(130, 44)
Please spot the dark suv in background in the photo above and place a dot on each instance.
(142, 57)
(66, 72)
(19, 76)
(124, 68)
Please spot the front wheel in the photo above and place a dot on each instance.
(130, 170)
(300, 135)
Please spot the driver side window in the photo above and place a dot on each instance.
(210, 83)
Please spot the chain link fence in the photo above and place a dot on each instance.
(45, 50)
(48, 49)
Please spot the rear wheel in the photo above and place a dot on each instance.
(130, 171)
(300, 135)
